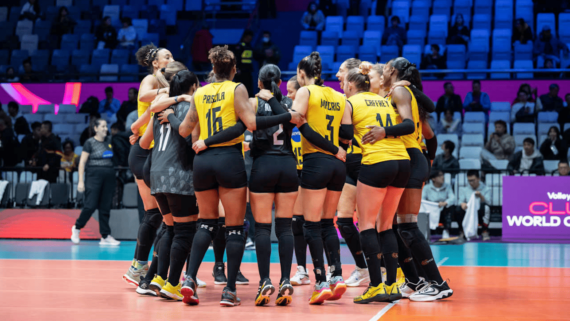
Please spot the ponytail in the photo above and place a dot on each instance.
(269, 76)
(312, 66)
(181, 82)
(165, 75)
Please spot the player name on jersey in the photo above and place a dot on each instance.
(210, 99)
(376, 103)
(334, 106)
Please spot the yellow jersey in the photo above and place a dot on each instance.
(141, 109)
(324, 115)
(414, 139)
(216, 112)
(297, 147)
(371, 109)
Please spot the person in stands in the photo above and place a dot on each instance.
(448, 125)
(554, 147)
(500, 145)
(483, 193)
(441, 192)
(527, 161)
(563, 168)
(109, 105)
(449, 100)
(313, 18)
(445, 161)
(476, 100)
(523, 111)
(550, 101)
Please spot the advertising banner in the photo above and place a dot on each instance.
(536, 208)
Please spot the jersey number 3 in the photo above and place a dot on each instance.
(215, 124)
(330, 137)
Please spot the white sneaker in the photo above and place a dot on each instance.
(249, 245)
(445, 234)
(432, 292)
(201, 284)
(75, 235)
(301, 277)
(109, 240)
(357, 277)
(407, 288)
(329, 274)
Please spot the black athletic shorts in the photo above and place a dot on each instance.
(299, 173)
(353, 163)
(146, 169)
(176, 204)
(393, 173)
(420, 171)
(323, 171)
(137, 157)
(274, 174)
(219, 166)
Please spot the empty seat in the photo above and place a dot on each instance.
(350, 38)
(44, 203)
(24, 27)
(29, 43)
(523, 129)
(544, 127)
(82, 26)
(472, 140)
(442, 7)
(503, 14)
(474, 65)
(501, 106)
(66, 109)
(329, 38)
(3, 13)
(60, 59)
(413, 53)
(550, 165)
(523, 52)
(474, 117)
(474, 128)
(87, 42)
(502, 44)
(483, 7)
(401, 8)
(42, 29)
(168, 14)
(80, 57)
(327, 56)
(141, 26)
(112, 69)
(499, 115)
(150, 37)
(69, 42)
(88, 72)
(62, 129)
(131, 11)
(372, 38)
(345, 52)
(308, 38)
(100, 57)
(75, 119)
(4, 57)
(547, 117)
(376, 23)
(500, 64)
(500, 164)
(519, 139)
(368, 53)
(456, 53)
(389, 52)
(120, 57)
(31, 118)
(421, 10)
(46, 109)
(301, 52)
(334, 23)
(482, 21)
(417, 37)
(26, 109)
(469, 152)
(129, 72)
(470, 163)
(479, 41)
(356, 24)
(18, 56)
(524, 64)
(419, 22)
(130, 192)
(564, 27)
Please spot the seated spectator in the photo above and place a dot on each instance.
(523, 111)
(30, 145)
(441, 192)
(566, 136)
(11, 75)
(19, 123)
(48, 156)
(449, 100)
(9, 144)
(563, 168)
(477, 100)
(30, 10)
(434, 60)
(529, 160)
(445, 161)
(90, 106)
(482, 192)
(6, 117)
(550, 101)
(564, 113)
(128, 106)
(522, 32)
(448, 125)
(500, 145)
(548, 46)
(63, 23)
(554, 147)
(29, 74)
(109, 105)
(69, 160)
(459, 33)
(313, 18)
(395, 35)
(548, 64)
(530, 93)
(266, 52)
(127, 34)
(106, 35)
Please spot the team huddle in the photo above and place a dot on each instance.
(362, 150)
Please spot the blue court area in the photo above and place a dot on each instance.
(468, 254)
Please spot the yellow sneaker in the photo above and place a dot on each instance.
(401, 279)
(372, 294)
(157, 284)
(321, 293)
(171, 292)
(393, 292)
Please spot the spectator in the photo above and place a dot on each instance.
(30, 145)
(550, 101)
(266, 52)
(449, 100)
(244, 63)
(128, 106)
(313, 18)
(86, 134)
(530, 93)
(6, 117)
(459, 33)
(477, 100)
(522, 32)
(90, 106)
(548, 46)
(11, 75)
(121, 145)
(48, 159)
(441, 192)
(69, 160)
(448, 125)
(529, 160)
(8, 145)
(19, 123)
(523, 111)
(109, 105)
(564, 113)
(554, 147)
(434, 60)
(200, 46)
(563, 168)
(30, 10)
(29, 74)
(127, 34)
(445, 161)
(500, 145)
(106, 34)
(395, 35)
(548, 64)
(482, 192)
(131, 118)
(63, 23)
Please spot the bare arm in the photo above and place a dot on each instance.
(347, 116)
(141, 121)
(147, 137)
(190, 121)
(244, 109)
(196, 133)
(427, 132)
(301, 103)
(403, 100)
(81, 171)
(148, 89)
(162, 102)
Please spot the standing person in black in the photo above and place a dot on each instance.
(48, 159)
(30, 145)
(244, 61)
(97, 180)
(128, 106)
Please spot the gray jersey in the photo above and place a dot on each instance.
(172, 157)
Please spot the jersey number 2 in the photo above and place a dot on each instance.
(214, 122)
(277, 141)
(164, 138)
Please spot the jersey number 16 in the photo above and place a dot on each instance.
(215, 123)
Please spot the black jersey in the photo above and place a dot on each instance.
(275, 140)
(171, 169)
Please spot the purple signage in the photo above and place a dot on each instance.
(536, 208)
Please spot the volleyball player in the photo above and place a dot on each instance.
(219, 170)
(155, 59)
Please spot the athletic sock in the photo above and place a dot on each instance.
(285, 237)
(207, 230)
(147, 233)
(349, 233)
(389, 248)
(263, 248)
(181, 244)
(235, 244)
(405, 259)
(421, 250)
(152, 269)
(332, 245)
(314, 238)
(219, 242)
(371, 249)
(300, 242)
(419, 268)
(164, 252)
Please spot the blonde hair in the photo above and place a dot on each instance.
(359, 77)
(164, 75)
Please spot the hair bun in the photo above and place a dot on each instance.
(364, 67)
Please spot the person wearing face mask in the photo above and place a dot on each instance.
(554, 148)
(548, 45)
(313, 18)
(266, 52)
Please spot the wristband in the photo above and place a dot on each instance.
(176, 98)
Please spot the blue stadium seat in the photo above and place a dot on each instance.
(524, 9)
(474, 65)
(74, 12)
(436, 36)
(482, 21)
(60, 59)
(372, 38)
(17, 57)
(112, 69)
(368, 53)
(350, 38)
(88, 73)
(150, 38)
(129, 69)
(327, 56)
(46, 109)
(401, 8)
(308, 38)
(389, 52)
(502, 44)
(544, 127)
(547, 117)
(524, 64)
(299, 53)
(100, 3)
(376, 23)
(55, 119)
(141, 26)
(157, 3)
(442, 7)
(420, 10)
(474, 117)
(120, 57)
(168, 14)
(501, 106)
(438, 22)
(3, 13)
(14, 14)
(87, 42)
(119, 2)
(40, 59)
(455, 65)
(42, 29)
(177, 5)
(100, 56)
(503, 14)
(345, 52)
(4, 56)
(82, 26)
(483, 7)
(500, 64)
(113, 12)
(413, 53)
(417, 37)
(519, 139)
(131, 11)
(463, 7)
(137, 3)
(564, 27)
(334, 23)
(523, 128)
(7, 30)
(329, 38)
(158, 26)
(523, 52)
(456, 53)
(470, 163)
(545, 19)
(355, 23)
(470, 152)
(76, 119)
(29, 43)
(80, 57)
(479, 47)
(419, 23)
(474, 128)
(499, 115)
(66, 109)
(69, 42)
(31, 118)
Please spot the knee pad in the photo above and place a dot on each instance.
(327, 227)
(297, 224)
(235, 233)
(209, 226)
(262, 229)
(312, 231)
(153, 218)
(283, 227)
(408, 233)
(369, 242)
(346, 227)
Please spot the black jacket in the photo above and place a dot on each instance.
(537, 166)
(454, 103)
(28, 149)
(547, 152)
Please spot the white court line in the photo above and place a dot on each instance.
(440, 263)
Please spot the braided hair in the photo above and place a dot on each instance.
(270, 75)
(408, 71)
(312, 67)
(146, 55)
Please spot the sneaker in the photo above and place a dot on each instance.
(400, 277)
(285, 293)
(188, 292)
(241, 280)
(321, 293)
(372, 294)
(301, 277)
(265, 290)
(329, 274)
(135, 273)
(409, 288)
(75, 235)
(219, 274)
(201, 284)
(156, 284)
(432, 292)
(109, 240)
(357, 277)
(338, 287)
(393, 292)
(171, 292)
(445, 234)
(249, 245)
(229, 298)
(143, 288)
(486, 236)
